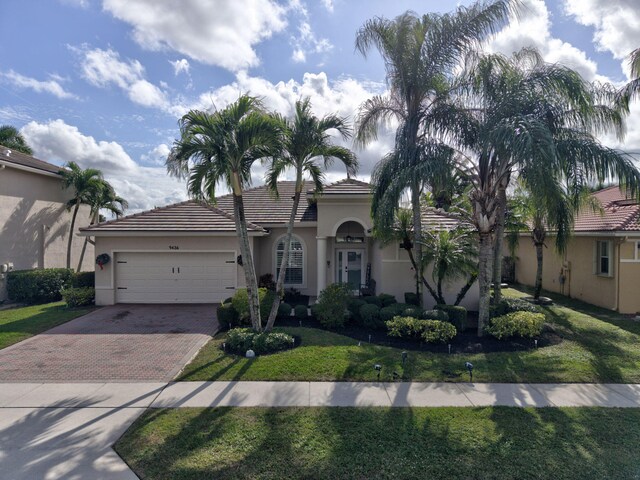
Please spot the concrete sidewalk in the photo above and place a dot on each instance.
(55, 430)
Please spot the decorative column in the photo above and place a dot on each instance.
(322, 263)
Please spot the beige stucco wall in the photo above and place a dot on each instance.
(34, 224)
(629, 277)
(105, 293)
(581, 282)
(332, 212)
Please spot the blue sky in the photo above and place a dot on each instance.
(103, 82)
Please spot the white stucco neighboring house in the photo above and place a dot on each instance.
(189, 253)
(34, 223)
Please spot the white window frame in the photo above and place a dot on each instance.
(599, 257)
(276, 263)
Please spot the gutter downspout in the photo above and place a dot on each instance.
(619, 243)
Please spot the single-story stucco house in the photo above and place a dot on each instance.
(189, 252)
(34, 222)
(602, 263)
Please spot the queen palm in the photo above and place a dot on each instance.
(11, 138)
(306, 140)
(221, 147)
(419, 54)
(83, 183)
(102, 198)
(631, 89)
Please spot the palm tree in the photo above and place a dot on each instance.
(221, 147)
(102, 198)
(83, 183)
(11, 138)
(521, 114)
(419, 55)
(306, 140)
(631, 89)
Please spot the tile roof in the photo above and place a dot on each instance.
(262, 207)
(621, 213)
(189, 216)
(438, 220)
(26, 160)
(348, 186)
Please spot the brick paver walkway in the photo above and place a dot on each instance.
(121, 343)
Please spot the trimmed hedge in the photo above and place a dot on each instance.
(441, 315)
(79, 297)
(387, 299)
(284, 310)
(370, 316)
(227, 316)
(84, 279)
(353, 306)
(331, 310)
(457, 315)
(300, 311)
(516, 324)
(510, 305)
(38, 286)
(240, 302)
(411, 298)
(429, 331)
(373, 301)
(438, 332)
(239, 340)
(387, 313)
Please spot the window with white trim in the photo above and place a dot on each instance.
(603, 257)
(294, 276)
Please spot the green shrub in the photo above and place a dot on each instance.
(267, 281)
(284, 310)
(413, 311)
(411, 298)
(509, 305)
(240, 302)
(436, 331)
(516, 324)
(38, 286)
(300, 311)
(353, 306)
(332, 311)
(405, 327)
(239, 340)
(84, 279)
(79, 297)
(387, 299)
(227, 316)
(435, 315)
(373, 301)
(457, 315)
(370, 316)
(314, 310)
(387, 313)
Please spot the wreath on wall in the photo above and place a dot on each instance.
(103, 259)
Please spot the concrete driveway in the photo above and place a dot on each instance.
(120, 343)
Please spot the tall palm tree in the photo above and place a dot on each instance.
(523, 115)
(419, 54)
(306, 140)
(221, 147)
(631, 89)
(11, 138)
(83, 183)
(102, 198)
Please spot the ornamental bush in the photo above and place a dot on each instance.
(405, 327)
(38, 286)
(430, 331)
(387, 299)
(284, 310)
(373, 300)
(387, 313)
(411, 298)
(510, 305)
(413, 311)
(353, 306)
(79, 297)
(239, 340)
(84, 279)
(457, 315)
(436, 331)
(331, 310)
(370, 316)
(516, 324)
(227, 316)
(240, 302)
(435, 315)
(300, 311)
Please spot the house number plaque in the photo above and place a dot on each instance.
(174, 247)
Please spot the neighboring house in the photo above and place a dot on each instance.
(602, 263)
(188, 252)
(34, 223)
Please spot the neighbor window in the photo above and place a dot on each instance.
(603, 257)
(294, 276)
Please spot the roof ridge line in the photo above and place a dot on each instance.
(133, 215)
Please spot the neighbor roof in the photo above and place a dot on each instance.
(25, 160)
(435, 219)
(189, 216)
(621, 212)
(348, 186)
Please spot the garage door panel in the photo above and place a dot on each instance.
(184, 277)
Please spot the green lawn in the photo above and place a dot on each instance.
(369, 443)
(16, 324)
(599, 346)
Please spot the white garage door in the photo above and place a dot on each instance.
(174, 277)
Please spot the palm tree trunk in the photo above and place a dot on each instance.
(430, 289)
(485, 257)
(285, 255)
(73, 226)
(440, 296)
(247, 259)
(465, 289)
(538, 286)
(417, 242)
(498, 244)
(84, 245)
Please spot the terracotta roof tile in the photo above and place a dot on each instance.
(621, 212)
(26, 160)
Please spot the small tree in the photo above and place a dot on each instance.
(11, 138)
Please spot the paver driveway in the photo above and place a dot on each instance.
(120, 343)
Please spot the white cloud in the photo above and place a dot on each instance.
(103, 68)
(143, 187)
(328, 4)
(305, 41)
(47, 86)
(616, 23)
(157, 155)
(180, 66)
(215, 32)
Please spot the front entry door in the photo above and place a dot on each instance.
(349, 268)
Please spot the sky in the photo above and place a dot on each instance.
(104, 82)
